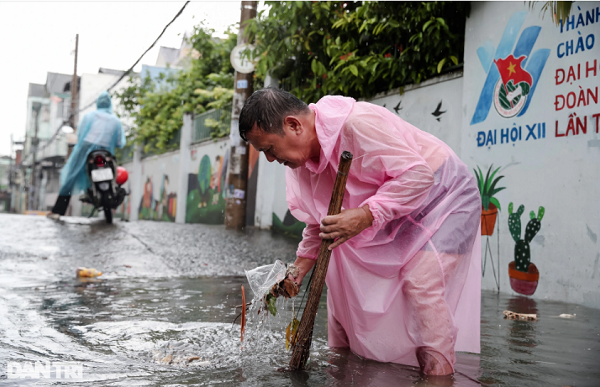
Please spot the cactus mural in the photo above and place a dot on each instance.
(522, 250)
(523, 274)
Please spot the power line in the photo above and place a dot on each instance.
(116, 82)
(141, 56)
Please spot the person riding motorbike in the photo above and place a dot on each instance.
(100, 129)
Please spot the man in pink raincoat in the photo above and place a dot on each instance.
(404, 276)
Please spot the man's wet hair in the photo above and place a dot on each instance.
(267, 108)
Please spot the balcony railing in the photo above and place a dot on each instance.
(206, 123)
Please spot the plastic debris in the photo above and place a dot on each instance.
(566, 315)
(88, 273)
(519, 316)
(262, 278)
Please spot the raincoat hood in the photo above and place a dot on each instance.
(104, 102)
(329, 126)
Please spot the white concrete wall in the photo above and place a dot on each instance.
(554, 170)
(270, 195)
(433, 106)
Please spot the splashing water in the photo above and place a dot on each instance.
(218, 346)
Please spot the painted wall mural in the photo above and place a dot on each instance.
(207, 189)
(523, 273)
(289, 226)
(159, 188)
(515, 70)
(489, 203)
(159, 205)
(530, 103)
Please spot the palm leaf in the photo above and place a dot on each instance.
(560, 10)
(494, 192)
(487, 177)
(485, 202)
(480, 181)
(492, 178)
(495, 202)
(477, 177)
(491, 189)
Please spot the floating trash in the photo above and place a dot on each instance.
(87, 273)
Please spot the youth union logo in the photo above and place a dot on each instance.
(513, 86)
(513, 71)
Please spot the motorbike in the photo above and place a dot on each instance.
(105, 192)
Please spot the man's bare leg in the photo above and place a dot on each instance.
(430, 319)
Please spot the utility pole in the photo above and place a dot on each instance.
(10, 175)
(74, 96)
(235, 211)
(10, 167)
(34, 146)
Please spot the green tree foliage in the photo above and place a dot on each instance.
(357, 49)
(559, 10)
(158, 108)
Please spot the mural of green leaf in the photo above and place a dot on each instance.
(204, 174)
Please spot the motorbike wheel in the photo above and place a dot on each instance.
(108, 215)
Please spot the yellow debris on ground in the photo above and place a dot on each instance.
(89, 273)
(519, 316)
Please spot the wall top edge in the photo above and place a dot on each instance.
(432, 81)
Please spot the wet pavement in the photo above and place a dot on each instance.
(162, 313)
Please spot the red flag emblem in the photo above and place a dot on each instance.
(510, 69)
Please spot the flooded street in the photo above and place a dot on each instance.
(162, 313)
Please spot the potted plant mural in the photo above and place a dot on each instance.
(523, 274)
(489, 204)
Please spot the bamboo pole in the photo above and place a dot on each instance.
(243, 324)
(301, 349)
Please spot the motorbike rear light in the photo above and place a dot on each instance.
(99, 161)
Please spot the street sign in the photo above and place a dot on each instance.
(239, 63)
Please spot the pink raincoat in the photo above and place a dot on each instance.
(412, 279)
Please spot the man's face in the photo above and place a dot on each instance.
(290, 149)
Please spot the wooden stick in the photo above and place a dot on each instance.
(243, 325)
(301, 348)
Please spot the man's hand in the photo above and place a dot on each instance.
(345, 225)
(304, 265)
(291, 285)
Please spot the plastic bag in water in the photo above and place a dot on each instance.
(262, 278)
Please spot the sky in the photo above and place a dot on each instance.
(39, 37)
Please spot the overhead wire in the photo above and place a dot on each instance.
(127, 72)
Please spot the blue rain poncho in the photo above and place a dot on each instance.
(100, 129)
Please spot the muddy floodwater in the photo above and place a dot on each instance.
(162, 313)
